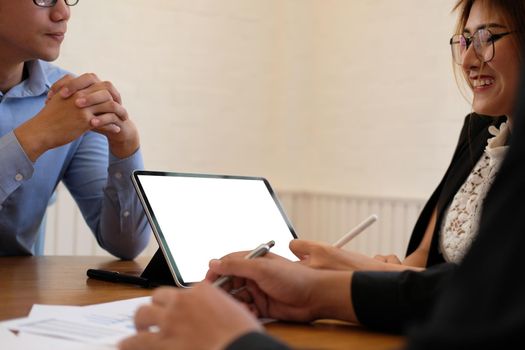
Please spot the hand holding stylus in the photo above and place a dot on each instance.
(259, 251)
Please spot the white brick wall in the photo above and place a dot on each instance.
(333, 96)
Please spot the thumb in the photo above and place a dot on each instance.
(302, 248)
(59, 84)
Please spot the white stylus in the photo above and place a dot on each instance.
(355, 231)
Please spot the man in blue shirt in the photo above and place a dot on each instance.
(80, 134)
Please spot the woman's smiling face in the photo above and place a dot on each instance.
(494, 83)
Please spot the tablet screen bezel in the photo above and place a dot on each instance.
(157, 230)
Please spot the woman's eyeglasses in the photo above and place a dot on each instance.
(51, 3)
(483, 41)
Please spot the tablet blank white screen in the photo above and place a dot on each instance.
(203, 218)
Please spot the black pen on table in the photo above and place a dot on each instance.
(261, 250)
(113, 276)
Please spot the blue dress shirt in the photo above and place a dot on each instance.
(98, 181)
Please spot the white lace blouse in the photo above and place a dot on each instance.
(461, 221)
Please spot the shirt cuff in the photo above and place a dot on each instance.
(120, 170)
(16, 166)
(376, 300)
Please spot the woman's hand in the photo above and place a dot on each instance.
(323, 256)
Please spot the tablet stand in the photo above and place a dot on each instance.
(157, 271)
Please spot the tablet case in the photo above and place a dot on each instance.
(157, 271)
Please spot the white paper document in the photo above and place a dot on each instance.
(24, 341)
(99, 324)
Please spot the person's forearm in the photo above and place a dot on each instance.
(417, 259)
(31, 140)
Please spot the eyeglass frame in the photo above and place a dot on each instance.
(470, 39)
(54, 2)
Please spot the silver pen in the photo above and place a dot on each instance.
(259, 251)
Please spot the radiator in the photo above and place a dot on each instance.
(315, 216)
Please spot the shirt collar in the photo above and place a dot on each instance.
(36, 84)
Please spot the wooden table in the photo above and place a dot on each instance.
(62, 280)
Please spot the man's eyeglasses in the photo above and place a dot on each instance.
(51, 3)
(483, 41)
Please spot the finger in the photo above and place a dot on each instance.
(259, 305)
(85, 81)
(148, 316)
(79, 83)
(164, 296)
(140, 341)
(109, 129)
(238, 266)
(113, 91)
(93, 98)
(211, 276)
(301, 248)
(393, 259)
(105, 119)
(107, 86)
(58, 85)
(109, 107)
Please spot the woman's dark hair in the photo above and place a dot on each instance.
(513, 16)
(512, 11)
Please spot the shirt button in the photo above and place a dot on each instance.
(126, 213)
(19, 177)
(118, 175)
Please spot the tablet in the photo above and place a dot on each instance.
(199, 217)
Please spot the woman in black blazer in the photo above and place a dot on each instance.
(487, 54)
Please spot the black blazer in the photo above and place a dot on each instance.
(484, 305)
(470, 147)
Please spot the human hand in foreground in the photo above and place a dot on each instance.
(202, 317)
(274, 287)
